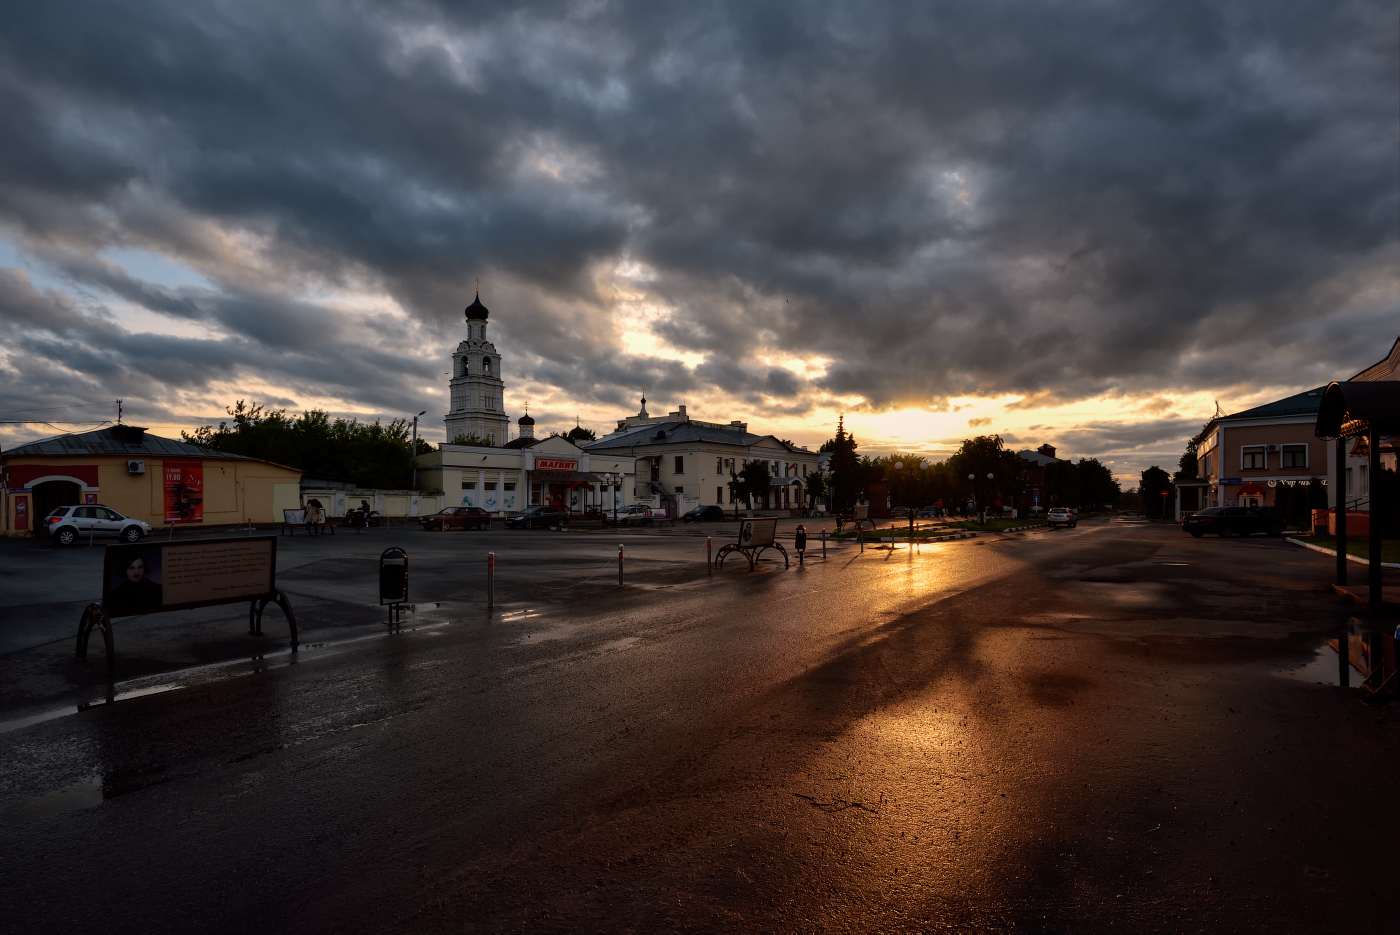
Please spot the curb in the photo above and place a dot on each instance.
(963, 535)
(1333, 552)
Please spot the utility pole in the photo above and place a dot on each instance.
(415, 450)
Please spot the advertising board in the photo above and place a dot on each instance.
(555, 464)
(759, 531)
(150, 577)
(184, 491)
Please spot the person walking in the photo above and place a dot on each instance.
(363, 519)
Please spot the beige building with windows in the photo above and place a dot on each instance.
(164, 481)
(682, 463)
(1243, 458)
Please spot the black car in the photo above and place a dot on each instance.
(1227, 521)
(703, 514)
(533, 517)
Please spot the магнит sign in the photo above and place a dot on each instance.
(556, 464)
(184, 491)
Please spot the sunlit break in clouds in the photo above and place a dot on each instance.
(1077, 223)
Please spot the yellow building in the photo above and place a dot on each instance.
(161, 480)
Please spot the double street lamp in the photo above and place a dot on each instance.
(981, 504)
(612, 495)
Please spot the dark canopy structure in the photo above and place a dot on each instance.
(1368, 409)
(1357, 408)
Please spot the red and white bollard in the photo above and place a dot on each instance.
(490, 580)
(823, 542)
(619, 564)
(709, 554)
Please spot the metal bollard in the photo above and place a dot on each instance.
(490, 580)
(860, 539)
(709, 554)
(823, 542)
(619, 564)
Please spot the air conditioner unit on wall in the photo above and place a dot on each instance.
(1273, 447)
(136, 467)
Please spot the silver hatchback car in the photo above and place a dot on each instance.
(1059, 516)
(66, 525)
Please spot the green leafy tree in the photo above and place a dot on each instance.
(816, 488)
(473, 440)
(983, 455)
(370, 454)
(752, 484)
(1097, 488)
(1154, 481)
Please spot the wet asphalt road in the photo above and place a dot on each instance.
(1079, 730)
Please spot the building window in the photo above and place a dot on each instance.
(510, 485)
(719, 495)
(1205, 465)
(1253, 458)
(679, 491)
(490, 485)
(719, 465)
(680, 464)
(1294, 456)
(1361, 471)
(468, 485)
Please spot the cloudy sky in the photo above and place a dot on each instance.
(1073, 222)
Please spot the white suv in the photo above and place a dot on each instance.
(67, 524)
(1059, 516)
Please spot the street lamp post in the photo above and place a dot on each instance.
(984, 502)
(415, 450)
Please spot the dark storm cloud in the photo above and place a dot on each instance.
(937, 198)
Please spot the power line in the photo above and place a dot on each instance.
(55, 408)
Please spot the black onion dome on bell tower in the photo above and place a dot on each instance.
(476, 311)
(525, 420)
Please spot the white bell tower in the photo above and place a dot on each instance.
(477, 390)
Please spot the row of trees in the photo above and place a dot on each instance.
(913, 480)
(370, 454)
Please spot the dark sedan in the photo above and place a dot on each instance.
(457, 517)
(534, 517)
(1227, 521)
(703, 514)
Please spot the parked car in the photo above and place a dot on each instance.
(634, 515)
(703, 514)
(65, 525)
(929, 510)
(533, 517)
(1227, 521)
(1061, 516)
(457, 517)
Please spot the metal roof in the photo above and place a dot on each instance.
(1305, 403)
(675, 433)
(120, 440)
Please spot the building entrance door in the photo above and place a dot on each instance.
(55, 493)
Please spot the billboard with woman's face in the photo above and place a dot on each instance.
(132, 582)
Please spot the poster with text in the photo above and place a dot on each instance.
(184, 491)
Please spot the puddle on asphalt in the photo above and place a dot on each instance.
(1321, 669)
(83, 794)
(205, 674)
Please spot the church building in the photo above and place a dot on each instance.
(477, 390)
(503, 475)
